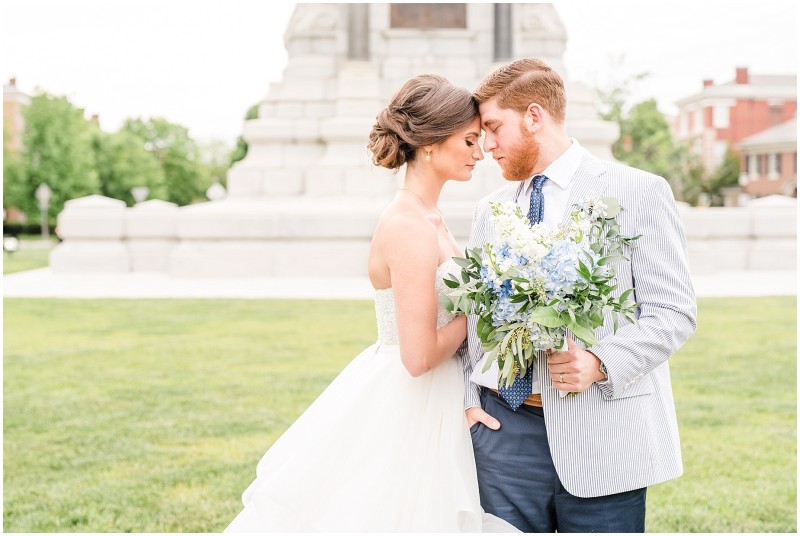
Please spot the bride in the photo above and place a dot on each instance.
(386, 447)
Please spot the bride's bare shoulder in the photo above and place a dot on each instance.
(401, 224)
(399, 217)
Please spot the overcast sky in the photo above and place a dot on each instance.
(203, 63)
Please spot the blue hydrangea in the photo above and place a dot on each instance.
(505, 253)
(487, 278)
(543, 338)
(505, 289)
(505, 312)
(561, 268)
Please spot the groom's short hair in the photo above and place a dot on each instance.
(522, 82)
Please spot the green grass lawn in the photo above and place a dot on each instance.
(32, 254)
(24, 259)
(735, 384)
(150, 415)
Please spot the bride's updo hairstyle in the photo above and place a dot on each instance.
(425, 111)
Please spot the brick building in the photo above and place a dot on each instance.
(13, 102)
(725, 115)
(769, 161)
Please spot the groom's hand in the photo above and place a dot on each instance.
(574, 369)
(476, 414)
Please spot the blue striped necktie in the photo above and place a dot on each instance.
(519, 391)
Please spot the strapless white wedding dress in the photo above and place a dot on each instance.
(377, 451)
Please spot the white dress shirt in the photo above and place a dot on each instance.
(556, 192)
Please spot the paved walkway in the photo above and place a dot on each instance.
(43, 283)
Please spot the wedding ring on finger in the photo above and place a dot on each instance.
(560, 378)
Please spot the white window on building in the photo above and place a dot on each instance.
(743, 178)
(720, 117)
(683, 125)
(720, 150)
(697, 122)
(773, 167)
(752, 167)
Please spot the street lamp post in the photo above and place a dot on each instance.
(43, 194)
(140, 193)
(215, 192)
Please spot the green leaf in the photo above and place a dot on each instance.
(529, 354)
(450, 283)
(613, 208)
(584, 270)
(506, 372)
(506, 340)
(624, 296)
(490, 358)
(462, 262)
(482, 327)
(583, 333)
(523, 362)
(547, 317)
(518, 298)
(446, 302)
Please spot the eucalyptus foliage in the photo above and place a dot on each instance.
(532, 286)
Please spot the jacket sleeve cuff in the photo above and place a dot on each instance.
(472, 396)
(605, 389)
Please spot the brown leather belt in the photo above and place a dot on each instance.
(534, 399)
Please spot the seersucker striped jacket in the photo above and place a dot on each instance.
(622, 435)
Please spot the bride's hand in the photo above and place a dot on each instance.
(476, 414)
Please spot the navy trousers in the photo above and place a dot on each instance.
(518, 482)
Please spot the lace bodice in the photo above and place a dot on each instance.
(385, 310)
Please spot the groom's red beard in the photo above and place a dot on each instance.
(521, 159)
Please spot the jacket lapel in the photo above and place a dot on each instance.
(591, 180)
(516, 192)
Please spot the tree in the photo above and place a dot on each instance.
(14, 186)
(123, 163)
(612, 101)
(185, 177)
(58, 151)
(240, 151)
(646, 140)
(216, 159)
(725, 175)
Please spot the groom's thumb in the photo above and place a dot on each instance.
(489, 421)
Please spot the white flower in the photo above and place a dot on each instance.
(595, 207)
(539, 278)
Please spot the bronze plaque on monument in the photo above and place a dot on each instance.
(418, 16)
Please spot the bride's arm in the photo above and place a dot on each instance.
(413, 258)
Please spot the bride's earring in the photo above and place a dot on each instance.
(427, 156)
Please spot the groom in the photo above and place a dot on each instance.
(581, 463)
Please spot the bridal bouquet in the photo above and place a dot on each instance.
(532, 285)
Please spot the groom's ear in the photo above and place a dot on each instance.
(533, 118)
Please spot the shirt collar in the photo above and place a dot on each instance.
(562, 169)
